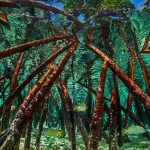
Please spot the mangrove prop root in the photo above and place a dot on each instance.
(38, 4)
(131, 75)
(146, 51)
(113, 122)
(131, 115)
(41, 123)
(47, 7)
(70, 112)
(27, 141)
(94, 92)
(36, 71)
(144, 70)
(26, 46)
(142, 64)
(96, 127)
(36, 88)
(82, 129)
(74, 114)
(65, 111)
(122, 76)
(7, 106)
(118, 109)
(25, 113)
(4, 22)
(16, 73)
(59, 111)
(147, 40)
(89, 69)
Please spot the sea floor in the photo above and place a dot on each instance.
(56, 143)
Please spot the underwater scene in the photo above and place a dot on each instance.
(74, 74)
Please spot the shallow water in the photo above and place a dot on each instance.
(81, 68)
(54, 143)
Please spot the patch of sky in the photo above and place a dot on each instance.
(60, 5)
(139, 4)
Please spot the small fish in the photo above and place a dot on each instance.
(55, 133)
(13, 108)
(81, 107)
(133, 130)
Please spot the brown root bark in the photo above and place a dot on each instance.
(30, 105)
(74, 116)
(131, 115)
(41, 123)
(35, 72)
(82, 129)
(123, 77)
(113, 122)
(65, 111)
(142, 64)
(147, 40)
(7, 106)
(26, 46)
(96, 125)
(146, 51)
(70, 112)
(47, 7)
(28, 135)
(144, 70)
(131, 75)
(59, 112)
(4, 22)
(118, 112)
